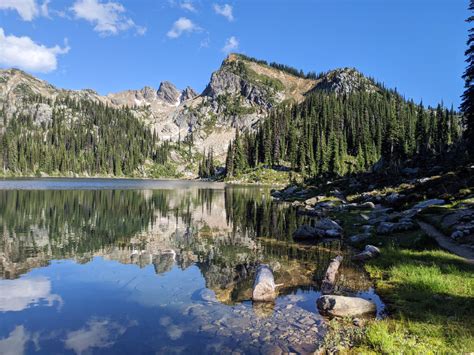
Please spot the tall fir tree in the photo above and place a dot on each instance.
(467, 105)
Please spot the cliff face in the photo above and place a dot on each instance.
(240, 93)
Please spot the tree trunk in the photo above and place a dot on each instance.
(327, 286)
(264, 285)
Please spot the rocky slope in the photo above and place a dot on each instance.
(239, 94)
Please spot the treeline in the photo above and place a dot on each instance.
(82, 136)
(329, 134)
(207, 167)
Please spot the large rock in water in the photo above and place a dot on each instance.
(341, 306)
(264, 285)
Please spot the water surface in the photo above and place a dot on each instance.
(143, 266)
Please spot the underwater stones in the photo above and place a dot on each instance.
(208, 295)
(342, 306)
(264, 285)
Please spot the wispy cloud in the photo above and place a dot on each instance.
(182, 25)
(24, 53)
(108, 17)
(224, 10)
(187, 5)
(27, 9)
(231, 44)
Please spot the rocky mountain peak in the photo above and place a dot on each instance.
(188, 94)
(148, 93)
(168, 93)
(345, 81)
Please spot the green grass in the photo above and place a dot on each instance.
(430, 297)
(167, 170)
(264, 176)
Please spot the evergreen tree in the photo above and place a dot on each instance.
(467, 105)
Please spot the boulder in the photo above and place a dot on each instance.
(363, 256)
(367, 205)
(327, 224)
(313, 200)
(332, 233)
(264, 285)
(389, 227)
(367, 228)
(394, 198)
(372, 249)
(290, 190)
(342, 306)
(428, 203)
(385, 228)
(307, 232)
(369, 252)
(359, 237)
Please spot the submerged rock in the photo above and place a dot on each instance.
(342, 306)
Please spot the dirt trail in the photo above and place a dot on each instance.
(446, 243)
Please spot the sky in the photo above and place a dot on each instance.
(415, 46)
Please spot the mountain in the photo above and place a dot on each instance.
(241, 93)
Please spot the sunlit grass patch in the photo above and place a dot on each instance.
(430, 296)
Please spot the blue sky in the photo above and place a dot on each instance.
(416, 46)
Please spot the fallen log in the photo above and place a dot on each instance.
(329, 281)
(264, 285)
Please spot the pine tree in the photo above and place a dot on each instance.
(467, 105)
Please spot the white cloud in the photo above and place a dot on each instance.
(231, 44)
(224, 10)
(98, 333)
(187, 5)
(108, 17)
(27, 9)
(44, 8)
(17, 295)
(24, 53)
(181, 26)
(15, 342)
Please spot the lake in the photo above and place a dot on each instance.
(141, 266)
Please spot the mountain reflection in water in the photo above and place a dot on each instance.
(156, 270)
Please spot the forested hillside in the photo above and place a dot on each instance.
(340, 134)
(270, 117)
(81, 137)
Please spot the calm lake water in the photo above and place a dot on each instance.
(131, 266)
